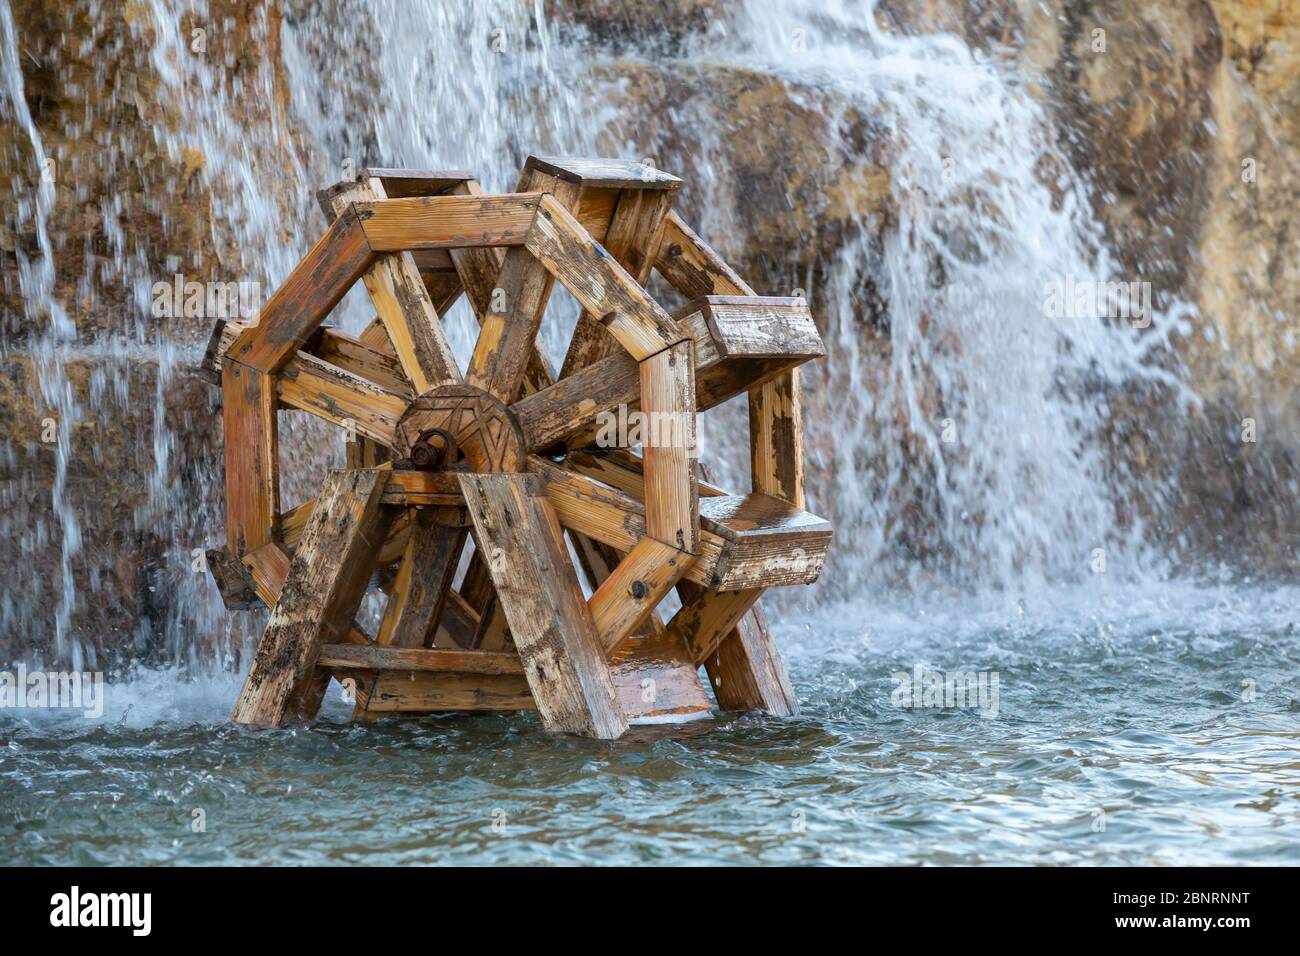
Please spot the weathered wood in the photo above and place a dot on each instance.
(669, 447)
(338, 396)
(493, 631)
(422, 488)
(448, 222)
(458, 624)
(402, 183)
(656, 682)
(603, 173)
(622, 469)
(549, 620)
(703, 622)
(433, 691)
(566, 411)
(324, 587)
(691, 267)
(632, 239)
(508, 336)
(314, 287)
(746, 670)
(252, 464)
(634, 590)
(403, 303)
(232, 579)
(268, 567)
(776, 438)
(353, 355)
(423, 579)
(599, 283)
(767, 542)
(375, 657)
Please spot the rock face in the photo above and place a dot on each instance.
(1182, 115)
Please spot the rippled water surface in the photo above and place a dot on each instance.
(1115, 708)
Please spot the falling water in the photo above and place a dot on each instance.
(960, 441)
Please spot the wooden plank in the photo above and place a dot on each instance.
(669, 447)
(634, 589)
(380, 366)
(268, 567)
(767, 542)
(434, 691)
(232, 580)
(320, 596)
(549, 620)
(507, 339)
(599, 283)
(632, 239)
(776, 438)
(338, 396)
(252, 465)
(656, 682)
(458, 624)
(603, 173)
(691, 267)
(623, 469)
(375, 657)
(447, 222)
(703, 622)
(403, 303)
(423, 579)
(401, 183)
(761, 326)
(299, 306)
(422, 488)
(746, 670)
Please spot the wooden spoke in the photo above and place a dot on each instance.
(508, 337)
(340, 397)
(404, 306)
(375, 657)
(634, 590)
(702, 623)
(746, 670)
(549, 620)
(691, 266)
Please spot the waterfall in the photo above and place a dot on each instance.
(956, 435)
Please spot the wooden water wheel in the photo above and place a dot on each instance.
(516, 457)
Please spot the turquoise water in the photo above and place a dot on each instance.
(1118, 708)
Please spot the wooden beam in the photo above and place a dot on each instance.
(424, 692)
(507, 339)
(353, 355)
(252, 465)
(603, 173)
(776, 438)
(746, 670)
(337, 396)
(632, 239)
(401, 183)
(447, 222)
(404, 306)
(691, 267)
(702, 623)
(320, 596)
(599, 283)
(437, 660)
(634, 589)
(669, 447)
(549, 620)
(423, 579)
(301, 303)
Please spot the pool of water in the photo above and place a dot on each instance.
(1132, 726)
